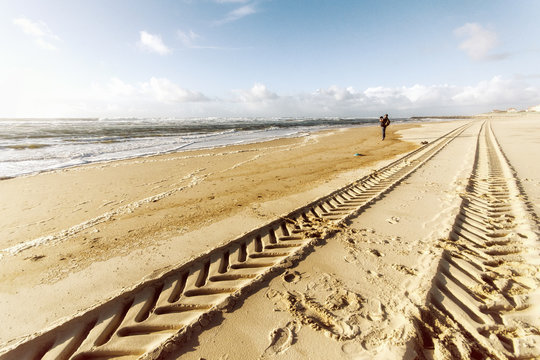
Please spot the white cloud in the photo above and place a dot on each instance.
(155, 90)
(411, 97)
(187, 37)
(191, 39)
(166, 91)
(153, 43)
(498, 90)
(258, 93)
(337, 93)
(418, 99)
(117, 87)
(31, 28)
(39, 31)
(478, 41)
(238, 14)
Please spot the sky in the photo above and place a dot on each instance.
(267, 58)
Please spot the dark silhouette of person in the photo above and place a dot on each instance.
(385, 121)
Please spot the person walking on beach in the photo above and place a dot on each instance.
(385, 121)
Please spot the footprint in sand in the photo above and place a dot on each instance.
(404, 269)
(393, 220)
(35, 257)
(374, 274)
(373, 310)
(281, 339)
(352, 348)
(277, 298)
(292, 276)
(376, 252)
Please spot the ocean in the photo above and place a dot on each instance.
(29, 146)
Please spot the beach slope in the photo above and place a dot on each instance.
(404, 251)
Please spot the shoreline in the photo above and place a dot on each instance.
(301, 132)
(160, 137)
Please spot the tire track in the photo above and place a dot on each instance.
(150, 319)
(486, 279)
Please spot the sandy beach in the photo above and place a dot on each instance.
(291, 249)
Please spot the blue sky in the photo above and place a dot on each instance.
(267, 57)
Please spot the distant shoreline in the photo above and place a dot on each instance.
(442, 117)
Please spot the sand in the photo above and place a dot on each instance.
(433, 256)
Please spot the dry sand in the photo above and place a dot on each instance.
(435, 256)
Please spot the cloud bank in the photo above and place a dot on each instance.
(259, 100)
(160, 96)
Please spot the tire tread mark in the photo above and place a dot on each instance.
(467, 289)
